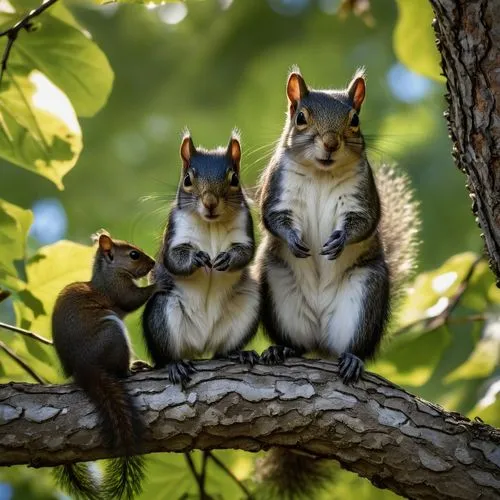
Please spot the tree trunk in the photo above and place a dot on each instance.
(468, 33)
(373, 428)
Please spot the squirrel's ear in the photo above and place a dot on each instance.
(296, 89)
(187, 150)
(234, 152)
(105, 242)
(95, 236)
(357, 89)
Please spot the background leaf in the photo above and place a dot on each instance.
(49, 271)
(65, 53)
(414, 39)
(14, 226)
(31, 134)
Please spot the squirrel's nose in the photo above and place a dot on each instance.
(330, 142)
(210, 201)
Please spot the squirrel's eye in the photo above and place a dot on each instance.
(354, 120)
(234, 180)
(134, 254)
(187, 181)
(301, 119)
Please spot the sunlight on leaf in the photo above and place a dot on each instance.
(431, 290)
(49, 271)
(65, 53)
(485, 357)
(488, 407)
(414, 42)
(411, 358)
(33, 137)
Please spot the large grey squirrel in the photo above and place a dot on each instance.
(339, 242)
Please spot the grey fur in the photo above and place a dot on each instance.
(338, 247)
(194, 295)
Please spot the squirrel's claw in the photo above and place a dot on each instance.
(278, 354)
(334, 245)
(244, 357)
(179, 372)
(298, 247)
(350, 367)
(202, 259)
(222, 262)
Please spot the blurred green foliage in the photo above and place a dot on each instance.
(213, 65)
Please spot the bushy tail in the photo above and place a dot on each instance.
(399, 227)
(290, 475)
(77, 480)
(122, 429)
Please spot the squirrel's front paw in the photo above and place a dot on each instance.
(202, 259)
(222, 262)
(298, 247)
(334, 245)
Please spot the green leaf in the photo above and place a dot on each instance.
(68, 57)
(488, 407)
(411, 358)
(414, 39)
(49, 271)
(14, 226)
(432, 290)
(485, 357)
(38, 127)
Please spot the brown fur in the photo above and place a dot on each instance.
(93, 348)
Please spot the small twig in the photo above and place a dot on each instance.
(460, 320)
(21, 363)
(197, 477)
(26, 333)
(12, 32)
(438, 320)
(203, 474)
(230, 473)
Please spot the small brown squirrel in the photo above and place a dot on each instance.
(91, 341)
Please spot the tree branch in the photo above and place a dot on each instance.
(11, 33)
(26, 333)
(374, 428)
(21, 363)
(469, 43)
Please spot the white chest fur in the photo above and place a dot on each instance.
(200, 302)
(317, 296)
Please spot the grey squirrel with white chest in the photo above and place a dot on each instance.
(91, 342)
(338, 244)
(210, 302)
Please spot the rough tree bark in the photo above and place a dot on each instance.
(373, 428)
(468, 33)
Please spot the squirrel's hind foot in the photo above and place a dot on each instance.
(244, 357)
(179, 372)
(138, 366)
(350, 367)
(278, 354)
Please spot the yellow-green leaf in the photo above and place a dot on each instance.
(38, 127)
(414, 39)
(484, 358)
(66, 54)
(49, 271)
(14, 226)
